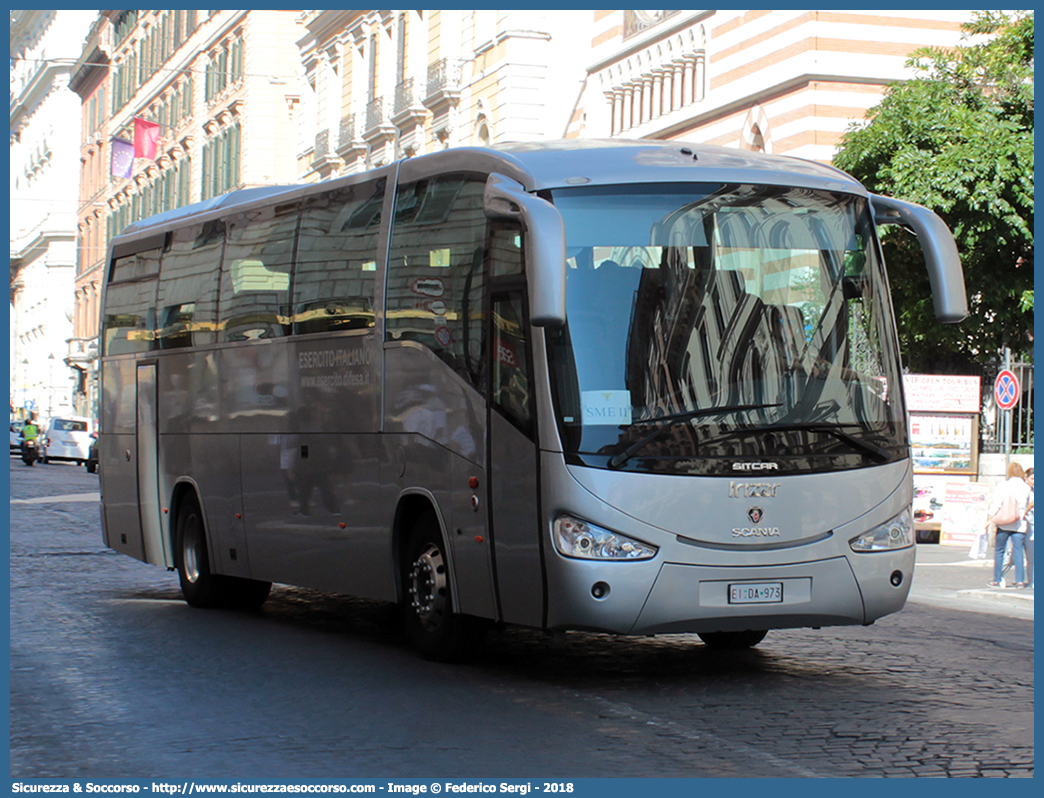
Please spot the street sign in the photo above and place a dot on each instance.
(1006, 390)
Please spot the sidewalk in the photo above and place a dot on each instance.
(944, 576)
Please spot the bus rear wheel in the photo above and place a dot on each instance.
(432, 626)
(733, 640)
(199, 586)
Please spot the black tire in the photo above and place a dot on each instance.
(432, 626)
(199, 586)
(92, 468)
(246, 594)
(733, 640)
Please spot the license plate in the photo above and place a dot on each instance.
(760, 593)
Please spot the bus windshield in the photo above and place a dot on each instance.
(714, 328)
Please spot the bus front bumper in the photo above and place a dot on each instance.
(666, 597)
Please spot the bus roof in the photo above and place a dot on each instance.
(556, 164)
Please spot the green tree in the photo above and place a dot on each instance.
(958, 138)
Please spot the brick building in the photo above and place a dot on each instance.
(222, 85)
(788, 82)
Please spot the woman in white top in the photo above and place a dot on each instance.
(1015, 487)
(1029, 530)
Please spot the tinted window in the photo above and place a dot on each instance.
(336, 261)
(130, 319)
(188, 287)
(436, 270)
(511, 393)
(255, 279)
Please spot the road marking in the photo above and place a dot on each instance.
(69, 497)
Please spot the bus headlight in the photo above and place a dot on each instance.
(896, 534)
(576, 538)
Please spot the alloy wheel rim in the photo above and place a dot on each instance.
(428, 587)
(189, 556)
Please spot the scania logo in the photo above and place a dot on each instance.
(755, 467)
(756, 532)
(755, 514)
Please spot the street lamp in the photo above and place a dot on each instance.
(50, 385)
(25, 382)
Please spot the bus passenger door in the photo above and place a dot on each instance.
(148, 465)
(513, 479)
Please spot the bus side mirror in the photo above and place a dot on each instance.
(545, 246)
(940, 253)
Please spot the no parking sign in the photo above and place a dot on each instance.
(1006, 390)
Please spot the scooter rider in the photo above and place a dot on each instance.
(30, 432)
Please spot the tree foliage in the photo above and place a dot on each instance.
(958, 138)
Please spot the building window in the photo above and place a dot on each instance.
(221, 162)
(637, 21)
(225, 67)
(124, 24)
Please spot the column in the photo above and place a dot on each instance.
(647, 97)
(687, 76)
(677, 74)
(700, 86)
(616, 104)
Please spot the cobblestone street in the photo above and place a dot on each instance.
(112, 675)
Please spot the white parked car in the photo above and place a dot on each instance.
(16, 435)
(67, 438)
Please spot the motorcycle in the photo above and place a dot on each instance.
(29, 452)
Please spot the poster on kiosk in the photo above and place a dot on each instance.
(944, 438)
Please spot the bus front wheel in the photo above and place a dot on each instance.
(733, 640)
(432, 626)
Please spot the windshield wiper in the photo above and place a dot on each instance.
(879, 453)
(620, 458)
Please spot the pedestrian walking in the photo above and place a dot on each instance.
(1029, 530)
(1008, 512)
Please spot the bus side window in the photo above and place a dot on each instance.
(336, 263)
(130, 317)
(255, 275)
(437, 270)
(187, 299)
(510, 379)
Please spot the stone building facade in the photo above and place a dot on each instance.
(383, 85)
(45, 117)
(248, 98)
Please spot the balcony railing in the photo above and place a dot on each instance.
(82, 350)
(322, 144)
(405, 96)
(374, 113)
(346, 134)
(443, 75)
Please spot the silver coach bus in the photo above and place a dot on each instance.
(635, 387)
